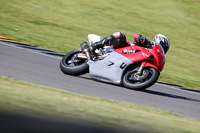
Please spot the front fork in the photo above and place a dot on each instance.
(145, 64)
(140, 70)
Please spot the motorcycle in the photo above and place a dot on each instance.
(134, 67)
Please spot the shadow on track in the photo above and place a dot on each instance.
(180, 87)
(156, 92)
(170, 95)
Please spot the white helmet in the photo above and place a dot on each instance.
(163, 41)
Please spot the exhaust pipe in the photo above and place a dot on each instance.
(86, 49)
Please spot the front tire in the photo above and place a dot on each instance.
(132, 81)
(70, 65)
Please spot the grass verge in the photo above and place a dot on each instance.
(40, 101)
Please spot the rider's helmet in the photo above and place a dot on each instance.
(163, 41)
(118, 40)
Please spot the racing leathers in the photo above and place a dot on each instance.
(118, 40)
(142, 41)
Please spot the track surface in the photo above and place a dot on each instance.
(30, 65)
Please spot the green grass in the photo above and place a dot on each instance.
(61, 25)
(33, 100)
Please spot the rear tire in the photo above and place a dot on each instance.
(148, 80)
(69, 65)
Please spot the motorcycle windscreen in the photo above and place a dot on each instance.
(110, 69)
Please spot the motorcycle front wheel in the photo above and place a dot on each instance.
(73, 66)
(133, 80)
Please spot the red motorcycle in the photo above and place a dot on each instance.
(134, 67)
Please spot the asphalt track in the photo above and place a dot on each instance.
(42, 67)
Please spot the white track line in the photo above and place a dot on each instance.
(177, 88)
(31, 50)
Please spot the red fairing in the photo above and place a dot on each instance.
(159, 57)
(153, 57)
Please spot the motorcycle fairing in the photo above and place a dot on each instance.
(143, 54)
(110, 69)
(159, 56)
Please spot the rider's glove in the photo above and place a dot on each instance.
(144, 41)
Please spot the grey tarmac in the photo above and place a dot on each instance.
(32, 65)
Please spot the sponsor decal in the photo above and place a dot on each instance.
(144, 54)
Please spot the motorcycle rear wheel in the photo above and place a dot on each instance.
(148, 78)
(72, 66)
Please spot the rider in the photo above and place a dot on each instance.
(117, 40)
